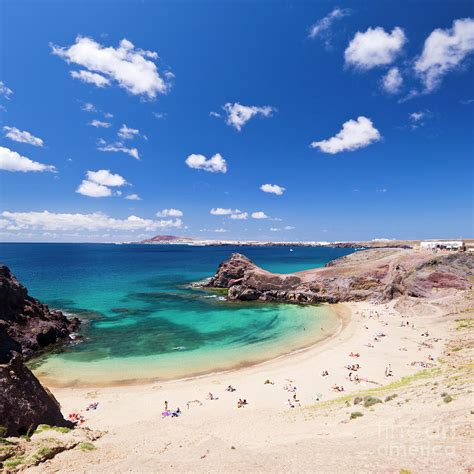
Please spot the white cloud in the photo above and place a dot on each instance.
(133, 197)
(170, 213)
(259, 215)
(272, 188)
(98, 184)
(100, 124)
(275, 229)
(353, 135)
(220, 231)
(235, 214)
(321, 27)
(215, 164)
(106, 178)
(443, 51)
(128, 133)
(392, 81)
(239, 216)
(219, 211)
(288, 227)
(12, 161)
(215, 114)
(91, 78)
(159, 115)
(5, 91)
(108, 115)
(238, 115)
(374, 48)
(416, 116)
(419, 118)
(91, 189)
(118, 148)
(17, 135)
(132, 68)
(50, 221)
(88, 107)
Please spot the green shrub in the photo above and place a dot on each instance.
(447, 399)
(370, 401)
(358, 400)
(356, 414)
(59, 429)
(43, 453)
(86, 446)
(13, 462)
(391, 397)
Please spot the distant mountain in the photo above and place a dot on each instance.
(166, 239)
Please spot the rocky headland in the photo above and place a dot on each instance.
(27, 326)
(378, 275)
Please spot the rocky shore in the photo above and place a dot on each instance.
(27, 326)
(378, 275)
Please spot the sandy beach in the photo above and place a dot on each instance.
(299, 422)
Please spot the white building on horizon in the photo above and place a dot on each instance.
(443, 244)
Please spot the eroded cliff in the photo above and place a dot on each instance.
(372, 275)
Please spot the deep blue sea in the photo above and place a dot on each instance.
(142, 320)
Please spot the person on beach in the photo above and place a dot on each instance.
(241, 403)
(166, 405)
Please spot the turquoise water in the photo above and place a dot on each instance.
(141, 320)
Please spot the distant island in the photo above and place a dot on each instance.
(363, 244)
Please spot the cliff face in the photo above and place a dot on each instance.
(24, 402)
(27, 325)
(374, 275)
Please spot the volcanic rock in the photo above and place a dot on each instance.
(372, 275)
(27, 325)
(24, 402)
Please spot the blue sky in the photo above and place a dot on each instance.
(361, 111)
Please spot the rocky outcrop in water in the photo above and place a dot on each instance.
(373, 275)
(27, 325)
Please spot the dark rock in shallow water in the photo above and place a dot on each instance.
(372, 275)
(26, 325)
(24, 402)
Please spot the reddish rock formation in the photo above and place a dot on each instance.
(372, 275)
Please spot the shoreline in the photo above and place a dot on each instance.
(348, 334)
(214, 435)
(340, 310)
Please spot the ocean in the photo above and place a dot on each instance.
(143, 321)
